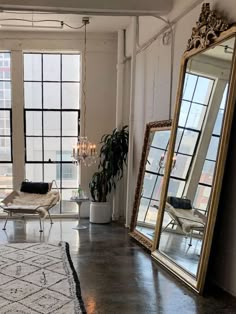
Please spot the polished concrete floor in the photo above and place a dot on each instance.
(117, 275)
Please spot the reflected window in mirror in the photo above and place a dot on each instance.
(152, 182)
(150, 179)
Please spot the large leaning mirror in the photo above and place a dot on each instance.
(197, 150)
(149, 183)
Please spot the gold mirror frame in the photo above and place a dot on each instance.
(150, 127)
(210, 30)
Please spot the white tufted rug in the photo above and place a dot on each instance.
(38, 278)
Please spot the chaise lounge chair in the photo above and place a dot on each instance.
(33, 198)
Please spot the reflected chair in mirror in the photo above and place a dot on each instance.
(184, 217)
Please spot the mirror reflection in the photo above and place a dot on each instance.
(151, 174)
(195, 156)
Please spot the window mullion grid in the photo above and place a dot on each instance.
(43, 110)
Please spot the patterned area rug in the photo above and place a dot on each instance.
(38, 278)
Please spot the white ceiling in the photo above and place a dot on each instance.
(10, 20)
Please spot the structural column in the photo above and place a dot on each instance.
(17, 72)
(119, 106)
(130, 189)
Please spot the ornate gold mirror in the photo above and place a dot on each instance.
(197, 149)
(149, 183)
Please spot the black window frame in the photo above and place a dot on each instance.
(61, 110)
(8, 109)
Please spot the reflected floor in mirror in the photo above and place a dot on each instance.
(177, 247)
(147, 232)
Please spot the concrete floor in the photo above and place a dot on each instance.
(118, 276)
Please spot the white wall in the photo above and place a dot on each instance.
(101, 84)
(152, 97)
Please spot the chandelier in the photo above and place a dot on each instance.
(84, 151)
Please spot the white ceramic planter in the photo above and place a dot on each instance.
(100, 212)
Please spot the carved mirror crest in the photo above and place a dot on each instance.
(149, 183)
(198, 144)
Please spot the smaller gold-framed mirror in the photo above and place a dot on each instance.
(198, 148)
(149, 183)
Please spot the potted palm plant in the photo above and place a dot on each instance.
(113, 156)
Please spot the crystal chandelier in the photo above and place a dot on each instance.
(84, 151)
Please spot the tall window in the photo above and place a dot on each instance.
(51, 90)
(5, 125)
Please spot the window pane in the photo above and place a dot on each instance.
(50, 173)
(5, 67)
(223, 101)
(207, 172)
(178, 138)
(55, 210)
(34, 149)
(218, 123)
(5, 148)
(142, 209)
(70, 123)
(67, 146)
(52, 123)
(32, 67)
(189, 86)
(203, 90)
(196, 116)
(5, 94)
(5, 176)
(51, 67)
(34, 172)
(33, 123)
(151, 217)
(69, 176)
(33, 95)
(68, 207)
(5, 127)
(52, 149)
(188, 142)
(176, 188)
(213, 148)
(153, 160)
(202, 197)
(148, 184)
(70, 95)
(185, 105)
(182, 166)
(51, 96)
(161, 139)
(157, 190)
(70, 67)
